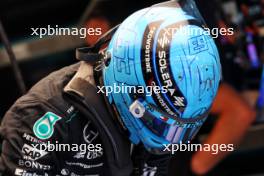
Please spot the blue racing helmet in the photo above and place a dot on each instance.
(162, 73)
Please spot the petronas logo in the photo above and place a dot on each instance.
(44, 127)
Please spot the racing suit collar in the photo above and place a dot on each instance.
(84, 72)
(89, 76)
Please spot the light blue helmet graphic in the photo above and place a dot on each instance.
(166, 47)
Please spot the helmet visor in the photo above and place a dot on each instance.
(172, 128)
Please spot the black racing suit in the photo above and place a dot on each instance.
(44, 116)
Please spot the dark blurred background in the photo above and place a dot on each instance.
(242, 54)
